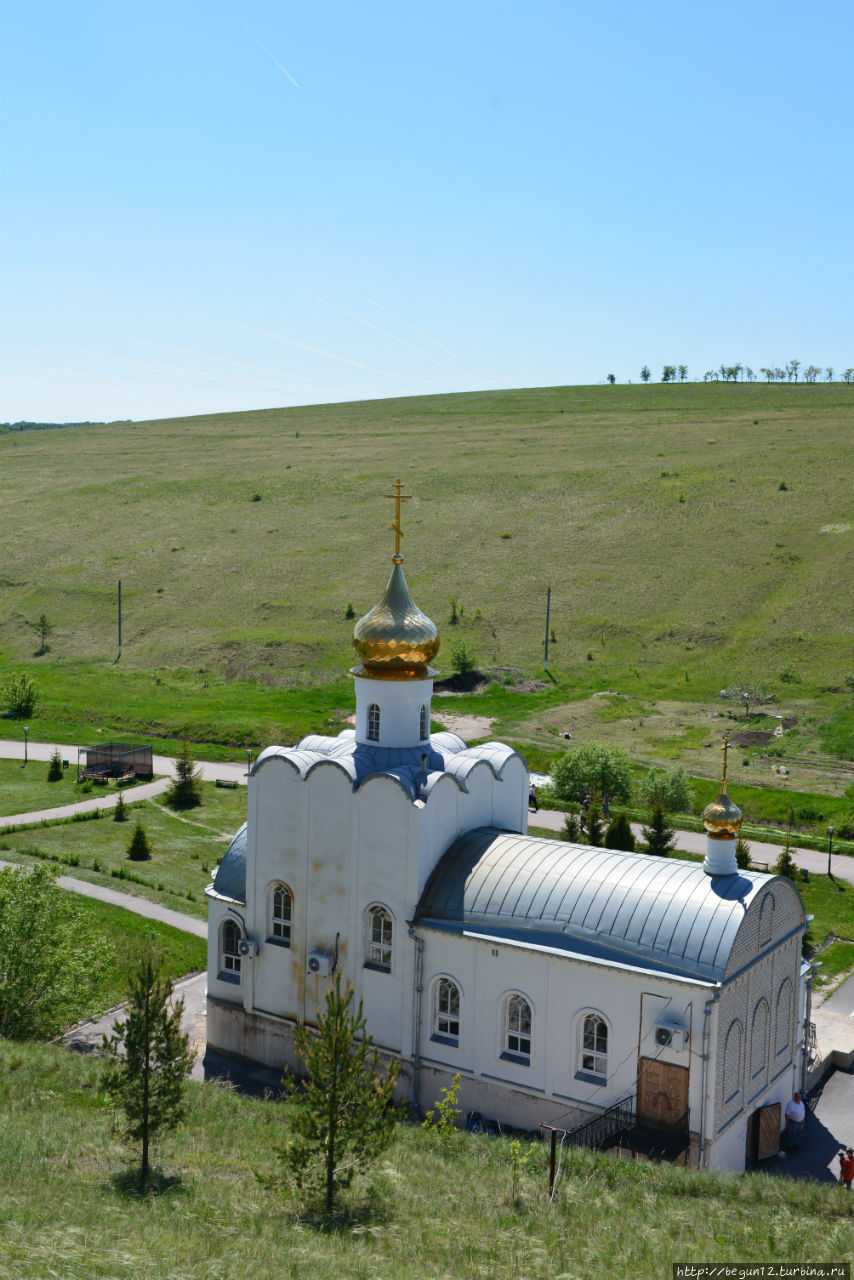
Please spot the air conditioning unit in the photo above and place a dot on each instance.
(247, 948)
(671, 1035)
(320, 963)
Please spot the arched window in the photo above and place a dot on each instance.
(423, 727)
(379, 940)
(446, 1011)
(759, 1039)
(732, 1061)
(783, 1028)
(229, 941)
(518, 1022)
(766, 919)
(373, 722)
(281, 915)
(593, 1045)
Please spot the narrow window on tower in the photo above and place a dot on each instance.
(373, 723)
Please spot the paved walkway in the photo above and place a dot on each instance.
(164, 765)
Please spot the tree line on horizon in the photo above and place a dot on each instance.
(738, 372)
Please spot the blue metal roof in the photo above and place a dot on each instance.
(230, 878)
(446, 755)
(652, 913)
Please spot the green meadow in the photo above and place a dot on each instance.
(67, 1210)
(691, 535)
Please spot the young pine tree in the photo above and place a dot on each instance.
(619, 834)
(593, 822)
(186, 789)
(742, 853)
(151, 1060)
(120, 812)
(660, 836)
(54, 769)
(571, 828)
(342, 1119)
(139, 849)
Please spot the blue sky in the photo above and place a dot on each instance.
(218, 206)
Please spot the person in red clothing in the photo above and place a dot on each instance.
(846, 1167)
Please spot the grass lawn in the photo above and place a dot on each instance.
(64, 1212)
(23, 789)
(656, 514)
(129, 935)
(185, 847)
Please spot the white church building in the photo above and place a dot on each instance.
(558, 980)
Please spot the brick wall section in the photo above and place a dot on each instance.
(756, 972)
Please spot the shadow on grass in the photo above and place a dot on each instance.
(353, 1219)
(128, 1184)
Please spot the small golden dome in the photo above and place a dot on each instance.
(395, 640)
(722, 818)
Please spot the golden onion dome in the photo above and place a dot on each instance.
(722, 818)
(395, 640)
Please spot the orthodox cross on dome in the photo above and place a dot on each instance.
(398, 496)
(724, 748)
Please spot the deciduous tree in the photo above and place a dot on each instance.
(51, 954)
(645, 374)
(151, 1060)
(592, 767)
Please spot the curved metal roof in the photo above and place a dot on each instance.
(230, 878)
(447, 754)
(628, 908)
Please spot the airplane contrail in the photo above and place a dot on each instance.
(283, 70)
(330, 355)
(354, 315)
(411, 326)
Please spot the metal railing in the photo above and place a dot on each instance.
(599, 1130)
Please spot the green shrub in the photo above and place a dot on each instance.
(670, 786)
(54, 769)
(463, 658)
(19, 696)
(592, 767)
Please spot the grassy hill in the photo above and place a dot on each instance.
(66, 1210)
(657, 515)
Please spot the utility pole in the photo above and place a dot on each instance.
(120, 621)
(548, 615)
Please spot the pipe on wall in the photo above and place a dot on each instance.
(417, 992)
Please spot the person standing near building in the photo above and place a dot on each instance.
(795, 1116)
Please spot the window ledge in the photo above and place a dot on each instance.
(377, 968)
(223, 976)
(279, 942)
(589, 1078)
(520, 1059)
(453, 1041)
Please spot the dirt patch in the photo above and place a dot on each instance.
(751, 738)
(466, 726)
(527, 686)
(469, 683)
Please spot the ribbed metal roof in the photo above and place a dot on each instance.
(230, 878)
(651, 913)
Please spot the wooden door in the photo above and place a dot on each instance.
(662, 1092)
(768, 1139)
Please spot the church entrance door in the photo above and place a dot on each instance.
(662, 1093)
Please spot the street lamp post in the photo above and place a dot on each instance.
(830, 834)
(248, 761)
(26, 740)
